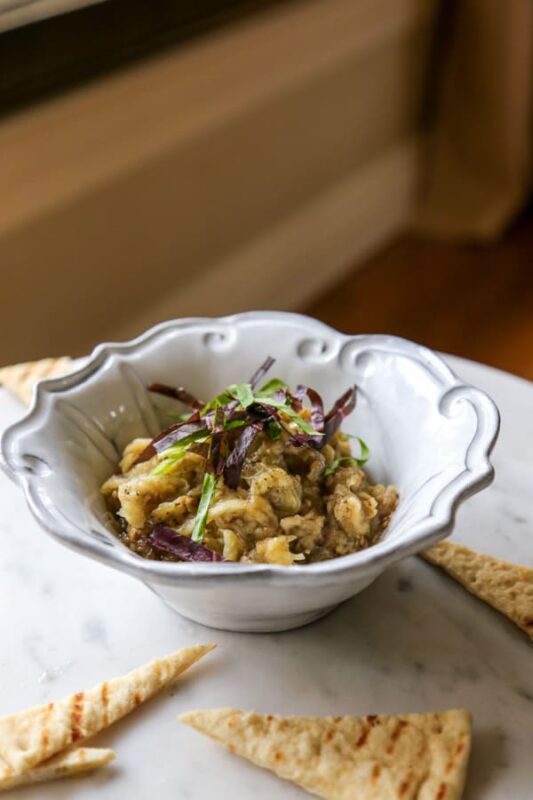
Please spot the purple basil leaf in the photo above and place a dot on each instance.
(172, 435)
(178, 392)
(296, 398)
(345, 403)
(170, 541)
(216, 450)
(235, 460)
(209, 420)
(341, 409)
(317, 409)
(280, 396)
(261, 372)
(299, 439)
(317, 412)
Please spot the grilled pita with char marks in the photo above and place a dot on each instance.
(407, 757)
(20, 379)
(63, 765)
(31, 736)
(506, 587)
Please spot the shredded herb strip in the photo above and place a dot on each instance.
(365, 452)
(262, 371)
(272, 386)
(178, 392)
(235, 460)
(234, 423)
(170, 541)
(215, 454)
(176, 452)
(171, 436)
(350, 460)
(221, 399)
(288, 411)
(206, 497)
(341, 409)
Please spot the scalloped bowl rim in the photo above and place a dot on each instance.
(426, 532)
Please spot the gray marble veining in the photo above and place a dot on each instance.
(412, 641)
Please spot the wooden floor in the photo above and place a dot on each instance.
(473, 301)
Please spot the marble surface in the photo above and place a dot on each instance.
(413, 641)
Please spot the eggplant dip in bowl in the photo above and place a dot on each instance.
(277, 477)
(259, 474)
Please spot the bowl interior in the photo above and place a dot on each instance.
(415, 417)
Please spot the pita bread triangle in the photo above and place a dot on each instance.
(20, 379)
(64, 765)
(31, 736)
(409, 757)
(506, 587)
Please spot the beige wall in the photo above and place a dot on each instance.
(121, 197)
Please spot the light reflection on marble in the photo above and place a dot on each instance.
(412, 641)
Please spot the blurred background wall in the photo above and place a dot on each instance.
(245, 167)
(158, 161)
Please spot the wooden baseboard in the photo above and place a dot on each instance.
(292, 262)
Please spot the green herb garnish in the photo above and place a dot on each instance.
(293, 415)
(270, 387)
(243, 393)
(231, 421)
(351, 461)
(234, 423)
(273, 429)
(208, 489)
(176, 452)
(364, 454)
(220, 400)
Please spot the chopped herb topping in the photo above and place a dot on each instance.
(270, 408)
(229, 424)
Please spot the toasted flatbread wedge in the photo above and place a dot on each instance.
(29, 737)
(506, 587)
(411, 757)
(64, 765)
(21, 378)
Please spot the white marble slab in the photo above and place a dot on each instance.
(413, 641)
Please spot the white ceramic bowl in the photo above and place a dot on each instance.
(429, 434)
